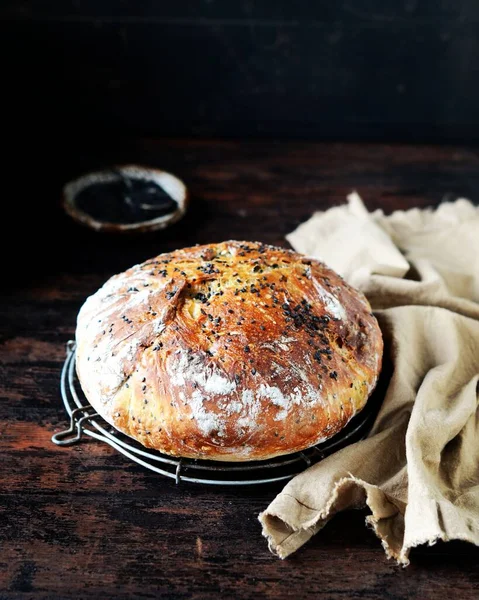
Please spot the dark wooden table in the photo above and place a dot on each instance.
(84, 521)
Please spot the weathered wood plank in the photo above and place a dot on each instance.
(84, 522)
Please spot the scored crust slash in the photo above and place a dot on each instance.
(233, 351)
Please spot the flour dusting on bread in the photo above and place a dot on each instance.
(229, 351)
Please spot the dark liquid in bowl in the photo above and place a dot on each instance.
(125, 200)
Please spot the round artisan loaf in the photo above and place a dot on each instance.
(232, 351)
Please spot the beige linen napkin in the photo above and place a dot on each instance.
(418, 468)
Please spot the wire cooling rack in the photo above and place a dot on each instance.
(84, 420)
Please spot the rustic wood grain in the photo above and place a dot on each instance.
(84, 522)
(368, 69)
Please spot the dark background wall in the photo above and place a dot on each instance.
(349, 69)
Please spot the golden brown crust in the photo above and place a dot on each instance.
(232, 351)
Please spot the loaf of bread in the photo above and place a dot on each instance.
(232, 351)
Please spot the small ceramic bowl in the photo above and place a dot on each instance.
(127, 198)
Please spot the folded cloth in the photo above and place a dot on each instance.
(418, 468)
